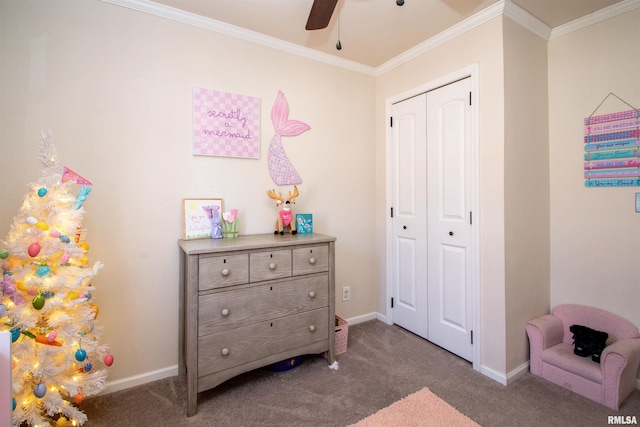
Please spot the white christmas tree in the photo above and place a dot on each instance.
(46, 301)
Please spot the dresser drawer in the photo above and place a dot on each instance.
(234, 308)
(269, 265)
(238, 346)
(221, 271)
(313, 259)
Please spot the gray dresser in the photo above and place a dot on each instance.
(251, 301)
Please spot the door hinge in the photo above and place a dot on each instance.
(472, 336)
(391, 212)
(391, 121)
(391, 302)
(470, 217)
(469, 98)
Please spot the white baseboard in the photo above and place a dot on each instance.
(518, 372)
(136, 380)
(362, 318)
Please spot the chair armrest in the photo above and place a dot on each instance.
(620, 362)
(543, 332)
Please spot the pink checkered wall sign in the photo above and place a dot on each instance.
(225, 124)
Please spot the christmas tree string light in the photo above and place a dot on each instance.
(46, 301)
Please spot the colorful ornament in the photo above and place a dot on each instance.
(4, 254)
(69, 175)
(34, 249)
(65, 239)
(3, 309)
(94, 308)
(51, 337)
(88, 366)
(40, 390)
(43, 271)
(80, 355)
(41, 225)
(38, 302)
(15, 334)
(42, 192)
(14, 403)
(108, 359)
(31, 220)
(79, 398)
(64, 259)
(81, 197)
(45, 340)
(55, 233)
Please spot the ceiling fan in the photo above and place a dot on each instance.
(320, 14)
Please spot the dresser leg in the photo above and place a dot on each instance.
(192, 402)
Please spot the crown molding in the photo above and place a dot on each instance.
(594, 18)
(500, 8)
(471, 22)
(527, 20)
(213, 25)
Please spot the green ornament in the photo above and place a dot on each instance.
(38, 302)
(4, 254)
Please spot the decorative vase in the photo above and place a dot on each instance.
(230, 229)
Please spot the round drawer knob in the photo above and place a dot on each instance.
(225, 312)
(312, 294)
(312, 260)
(272, 266)
(225, 351)
(225, 272)
(312, 328)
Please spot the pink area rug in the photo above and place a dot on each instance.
(420, 409)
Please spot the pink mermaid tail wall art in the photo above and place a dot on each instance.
(280, 167)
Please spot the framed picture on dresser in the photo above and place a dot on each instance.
(198, 216)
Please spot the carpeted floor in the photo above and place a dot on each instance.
(383, 364)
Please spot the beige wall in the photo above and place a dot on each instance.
(481, 46)
(595, 233)
(114, 85)
(526, 186)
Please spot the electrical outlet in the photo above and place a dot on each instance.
(346, 293)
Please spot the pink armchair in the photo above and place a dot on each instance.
(551, 353)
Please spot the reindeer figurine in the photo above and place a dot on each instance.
(285, 217)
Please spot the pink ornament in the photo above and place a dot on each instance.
(108, 360)
(34, 249)
(64, 258)
(55, 233)
(52, 336)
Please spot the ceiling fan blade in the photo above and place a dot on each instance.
(320, 14)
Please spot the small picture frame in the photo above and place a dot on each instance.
(304, 223)
(196, 217)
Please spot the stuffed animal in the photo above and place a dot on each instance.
(285, 219)
(213, 213)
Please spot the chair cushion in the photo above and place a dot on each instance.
(561, 356)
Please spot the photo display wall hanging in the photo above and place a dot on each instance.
(225, 124)
(612, 148)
